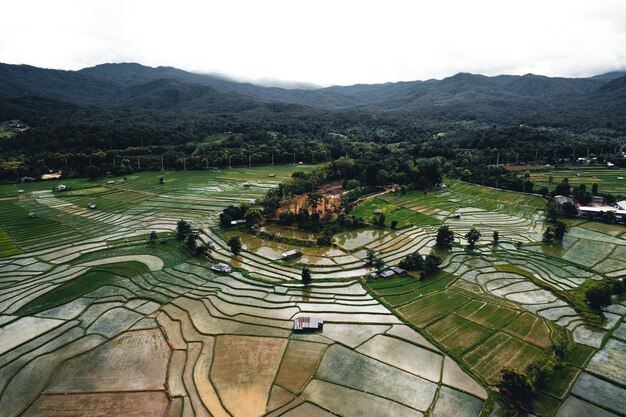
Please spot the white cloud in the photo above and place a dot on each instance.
(323, 41)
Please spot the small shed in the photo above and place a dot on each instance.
(290, 254)
(91, 206)
(308, 324)
(236, 222)
(562, 199)
(60, 187)
(597, 199)
(394, 270)
(220, 267)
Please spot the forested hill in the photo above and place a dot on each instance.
(578, 103)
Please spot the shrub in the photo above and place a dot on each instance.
(445, 237)
(412, 262)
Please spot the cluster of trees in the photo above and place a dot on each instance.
(372, 259)
(520, 387)
(190, 237)
(555, 232)
(251, 214)
(600, 293)
(445, 237)
(415, 261)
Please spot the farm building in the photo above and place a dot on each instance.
(308, 324)
(60, 187)
(562, 199)
(236, 222)
(220, 267)
(290, 254)
(621, 205)
(597, 199)
(394, 270)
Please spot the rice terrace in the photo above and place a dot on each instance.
(97, 321)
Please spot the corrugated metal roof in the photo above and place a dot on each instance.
(307, 323)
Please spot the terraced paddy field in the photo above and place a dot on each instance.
(608, 179)
(94, 321)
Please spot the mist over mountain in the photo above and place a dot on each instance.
(532, 99)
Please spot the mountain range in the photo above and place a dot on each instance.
(598, 101)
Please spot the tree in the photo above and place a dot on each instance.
(569, 209)
(472, 237)
(153, 237)
(161, 180)
(326, 239)
(306, 276)
(445, 237)
(431, 264)
(548, 234)
(92, 172)
(381, 219)
(594, 188)
(203, 250)
(412, 261)
(379, 264)
(394, 224)
(370, 257)
(182, 229)
(352, 184)
(496, 237)
(552, 211)
(313, 200)
(234, 243)
(253, 216)
(598, 296)
(563, 188)
(190, 241)
(516, 386)
(559, 231)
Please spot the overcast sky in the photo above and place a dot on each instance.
(321, 41)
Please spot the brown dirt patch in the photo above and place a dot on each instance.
(243, 371)
(134, 361)
(110, 404)
(299, 364)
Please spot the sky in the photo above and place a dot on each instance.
(324, 42)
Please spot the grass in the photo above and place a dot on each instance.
(530, 328)
(579, 354)
(605, 177)
(403, 216)
(432, 307)
(559, 382)
(544, 405)
(81, 285)
(456, 333)
(461, 194)
(6, 132)
(488, 315)
(7, 245)
(498, 351)
(171, 253)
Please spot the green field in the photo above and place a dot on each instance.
(404, 217)
(606, 178)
